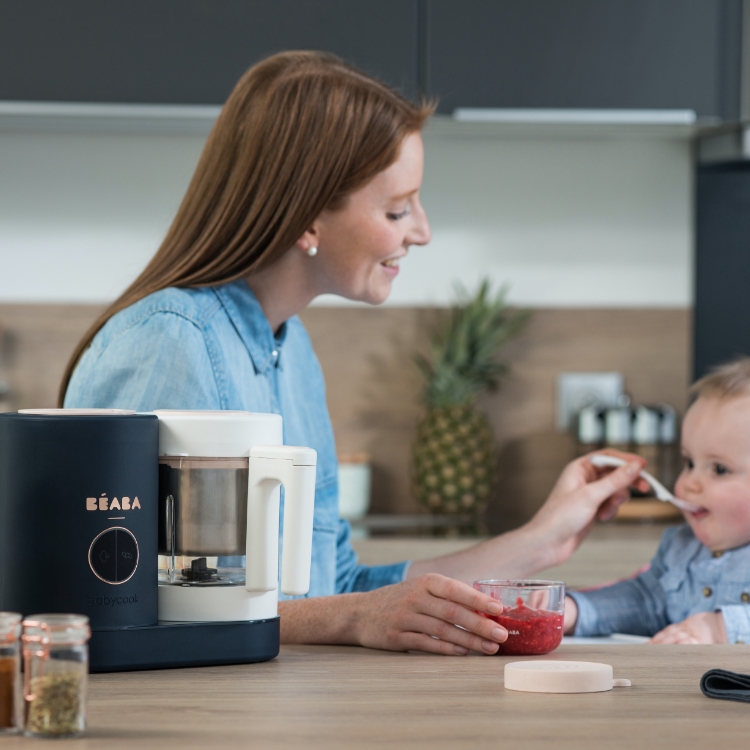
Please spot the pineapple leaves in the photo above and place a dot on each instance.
(462, 357)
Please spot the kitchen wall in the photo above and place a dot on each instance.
(602, 222)
(594, 232)
(373, 386)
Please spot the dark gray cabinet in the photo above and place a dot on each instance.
(189, 51)
(722, 265)
(619, 54)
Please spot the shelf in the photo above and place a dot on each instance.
(74, 117)
(177, 119)
(571, 123)
(387, 522)
(421, 524)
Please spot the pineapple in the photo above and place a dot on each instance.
(454, 452)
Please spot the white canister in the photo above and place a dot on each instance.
(617, 426)
(354, 485)
(645, 426)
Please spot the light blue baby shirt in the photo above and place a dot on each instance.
(685, 578)
(212, 348)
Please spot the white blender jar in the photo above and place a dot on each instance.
(219, 479)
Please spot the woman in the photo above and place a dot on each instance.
(309, 184)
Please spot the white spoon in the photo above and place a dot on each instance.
(661, 492)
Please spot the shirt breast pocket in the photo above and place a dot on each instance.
(676, 595)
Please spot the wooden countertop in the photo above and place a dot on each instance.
(347, 697)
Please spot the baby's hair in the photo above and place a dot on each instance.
(725, 381)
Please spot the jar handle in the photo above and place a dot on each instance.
(270, 467)
(43, 655)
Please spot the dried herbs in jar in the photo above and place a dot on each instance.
(56, 704)
(55, 655)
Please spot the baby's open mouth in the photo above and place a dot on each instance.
(700, 513)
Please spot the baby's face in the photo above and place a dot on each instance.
(716, 475)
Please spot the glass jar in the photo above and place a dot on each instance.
(10, 673)
(56, 666)
(202, 520)
(533, 614)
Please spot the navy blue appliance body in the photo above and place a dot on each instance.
(63, 548)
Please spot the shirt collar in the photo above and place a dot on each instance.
(251, 324)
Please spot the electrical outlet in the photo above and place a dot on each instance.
(578, 389)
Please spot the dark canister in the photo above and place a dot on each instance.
(78, 514)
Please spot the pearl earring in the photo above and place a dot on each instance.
(312, 251)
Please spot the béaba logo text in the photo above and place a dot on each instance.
(104, 503)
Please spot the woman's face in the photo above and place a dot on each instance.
(360, 245)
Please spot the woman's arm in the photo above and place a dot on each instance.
(582, 494)
(436, 609)
(432, 613)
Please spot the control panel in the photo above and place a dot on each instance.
(113, 555)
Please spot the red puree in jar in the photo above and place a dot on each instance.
(530, 631)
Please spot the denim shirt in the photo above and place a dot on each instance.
(684, 578)
(213, 348)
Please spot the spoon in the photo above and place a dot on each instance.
(661, 492)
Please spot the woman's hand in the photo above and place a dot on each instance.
(582, 494)
(705, 627)
(431, 613)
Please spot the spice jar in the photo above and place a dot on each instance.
(10, 673)
(56, 666)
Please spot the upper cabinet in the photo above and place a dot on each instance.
(189, 51)
(551, 54)
(618, 54)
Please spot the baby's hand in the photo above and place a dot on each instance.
(705, 627)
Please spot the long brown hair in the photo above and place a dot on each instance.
(299, 133)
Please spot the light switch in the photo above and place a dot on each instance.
(578, 389)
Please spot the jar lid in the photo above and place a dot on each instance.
(56, 629)
(10, 626)
(560, 677)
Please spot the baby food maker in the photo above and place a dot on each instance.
(92, 499)
(219, 478)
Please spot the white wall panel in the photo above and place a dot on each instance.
(567, 222)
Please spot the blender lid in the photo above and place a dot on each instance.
(217, 434)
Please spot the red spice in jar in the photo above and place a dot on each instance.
(530, 631)
(7, 692)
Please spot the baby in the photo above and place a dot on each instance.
(697, 589)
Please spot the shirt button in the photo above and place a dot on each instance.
(707, 591)
(274, 353)
(745, 597)
(718, 554)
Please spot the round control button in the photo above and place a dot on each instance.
(113, 555)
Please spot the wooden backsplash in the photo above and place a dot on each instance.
(373, 385)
